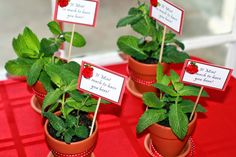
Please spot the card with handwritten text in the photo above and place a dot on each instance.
(206, 75)
(101, 82)
(169, 15)
(78, 12)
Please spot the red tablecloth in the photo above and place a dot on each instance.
(21, 130)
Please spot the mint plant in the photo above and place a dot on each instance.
(171, 108)
(71, 125)
(33, 55)
(146, 47)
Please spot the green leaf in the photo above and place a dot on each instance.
(49, 47)
(172, 55)
(129, 45)
(72, 86)
(191, 91)
(169, 36)
(82, 132)
(128, 20)
(71, 121)
(72, 103)
(178, 121)
(53, 107)
(46, 81)
(150, 117)
(142, 26)
(170, 99)
(89, 107)
(134, 11)
(19, 66)
(180, 44)
(56, 122)
(150, 46)
(175, 81)
(66, 111)
(51, 98)
(54, 28)
(31, 40)
(57, 74)
(76, 95)
(174, 76)
(34, 72)
(73, 67)
(165, 89)
(151, 100)
(21, 48)
(17, 47)
(165, 80)
(187, 107)
(160, 72)
(68, 135)
(78, 39)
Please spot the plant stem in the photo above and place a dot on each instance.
(63, 105)
(83, 104)
(161, 95)
(176, 100)
(53, 59)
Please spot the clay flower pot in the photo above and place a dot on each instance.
(165, 141)
(144, 75)
(39, 91)
(76, 149)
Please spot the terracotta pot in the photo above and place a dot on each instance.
(39, 91)
(76, 149)
(144, 75)
(166, 142)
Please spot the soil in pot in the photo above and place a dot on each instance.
(84, 120)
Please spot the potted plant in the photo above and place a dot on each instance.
(33, 55)
(67, 131)
(143, 51)
(167, 115)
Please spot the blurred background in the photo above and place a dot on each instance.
(208, 30)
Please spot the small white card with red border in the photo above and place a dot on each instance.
(101, 82)
(168, 15)
(82, 12)
(205, 74)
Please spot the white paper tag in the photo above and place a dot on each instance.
(101, 82)
(208, 75)
(169, 15)
(78, 11)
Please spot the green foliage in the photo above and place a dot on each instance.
(150, 117)
(151, 38)
(34, 72)
(78, 39)
(49, 46)
(178, 121)
(173, 100)
(67, 128)
(129, 44)
(54, 28)
(19, 66)
(34, 54)
(36, 60)
(151, 100)
(68, 99)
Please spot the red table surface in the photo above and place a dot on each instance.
(21, 129)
